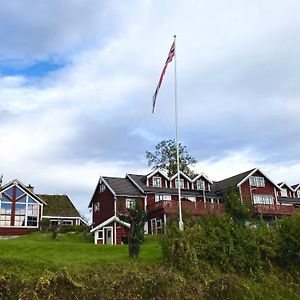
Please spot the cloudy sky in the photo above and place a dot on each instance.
(77, 78)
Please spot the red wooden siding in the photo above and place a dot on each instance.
(121, 203)
(14, 231)
(106, 211)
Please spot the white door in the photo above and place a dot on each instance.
(108, 239)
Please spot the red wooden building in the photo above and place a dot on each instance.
(158, 196)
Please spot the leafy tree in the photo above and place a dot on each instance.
(136, 218)
(165, 157)
(235, 207)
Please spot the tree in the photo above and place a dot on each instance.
(136, 218)
(165, 157)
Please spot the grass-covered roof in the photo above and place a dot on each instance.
(59, 205)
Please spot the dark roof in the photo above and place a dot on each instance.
(122, 186)
(284, 184)
(231, 181)
(294, 186)
(140, 180)
(59, 205)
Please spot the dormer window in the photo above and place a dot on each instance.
(200, 185)
(284, 193)
(298, 193)
(257, 181)
(157, 181)
(181, 183)
(102, 188)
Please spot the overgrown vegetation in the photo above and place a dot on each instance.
(211, 262)
(227, 254)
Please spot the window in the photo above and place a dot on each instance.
(284, 193)
(298, 193)
(181, 183)
(257, 199)
(191, 198)
(67, 222)
(5, 212)
(100, 234)
(102, 188)
(130, 203)
(32, 221)
(157, 181)
(96, 206)
(162, 197)
(200, 185)
(54, 222)
(257, 181)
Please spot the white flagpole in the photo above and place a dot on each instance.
(181, 225)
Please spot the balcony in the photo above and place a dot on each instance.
(273, 210)
(196, 208)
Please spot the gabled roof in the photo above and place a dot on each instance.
(157, 171)
(110, 220)
(232, 181)
(59, 205)
(295, 187)
(24, 188)
(181, 174)
(122, 186)
(239, 179)
(197, 176)
(140, 182)
(282, 184)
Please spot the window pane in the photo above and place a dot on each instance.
(20, 209)
(19, 192)
(19, 220)
(32, 210)
(30, 200)
(31, 221)
(5, 208)
(9, 192)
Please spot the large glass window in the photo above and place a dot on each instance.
(181, 183)
(26, 209)
(284, 193)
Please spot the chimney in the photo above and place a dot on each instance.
(30, 187)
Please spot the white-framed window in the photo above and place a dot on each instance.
(259, 199)
(100, 234)
(102, 188)
(284, 193)
(298, 194)
(67, 222)
(191, 198)
(201, 185)
(130, 203)
(96, 206)
(257, 181)
(181, 183)
(156, 225)
(162, 197)
(156, 181)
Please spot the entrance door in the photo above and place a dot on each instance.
(108, 235)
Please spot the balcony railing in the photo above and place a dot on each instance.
(196, 208)
(266, 209)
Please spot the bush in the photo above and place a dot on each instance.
(220, 242)
(288, 254)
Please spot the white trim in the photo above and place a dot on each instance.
(204, 176)
(127, 175)
(18, 183)
(155, 172)
(115, 233)
(296, 188)
(108, 186)
(181, 173)
(283, 183)
(108, 221)
(253, 172)
(60, 217)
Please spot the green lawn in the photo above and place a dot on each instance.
(37, 252)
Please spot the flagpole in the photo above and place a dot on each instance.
(181, 225)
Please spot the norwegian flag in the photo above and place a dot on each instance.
(169, 59)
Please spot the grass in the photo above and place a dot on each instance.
(37, 252)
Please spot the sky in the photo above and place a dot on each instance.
(77, 79)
